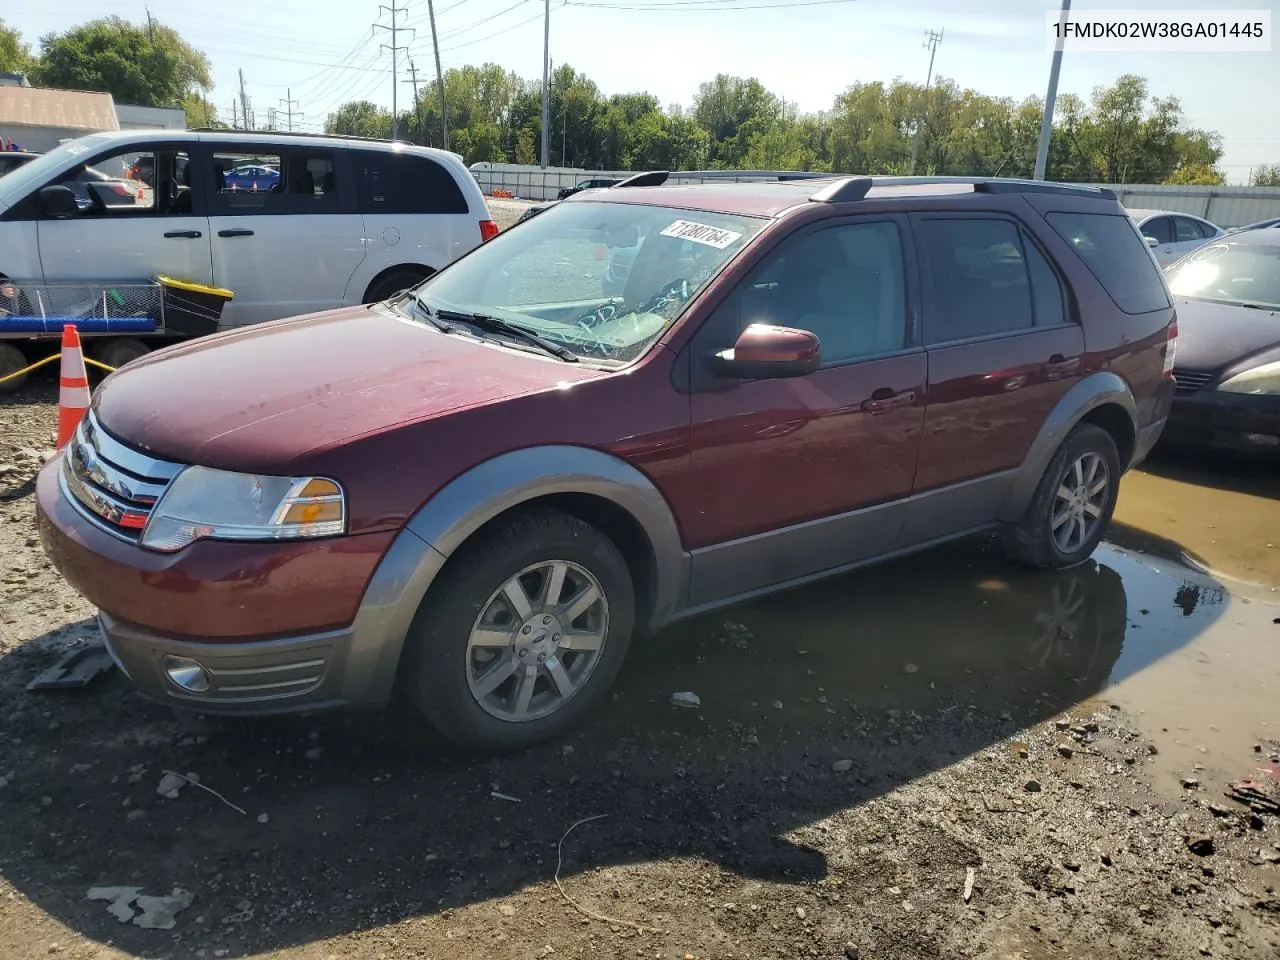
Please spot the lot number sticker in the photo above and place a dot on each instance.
(701, 233)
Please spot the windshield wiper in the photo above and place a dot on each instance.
(498, 325)
(432, 316)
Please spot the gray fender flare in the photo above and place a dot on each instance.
(1092, 392)
(466, 503)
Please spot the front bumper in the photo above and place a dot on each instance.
(1239, 423)
(291, 675)
(274, 628)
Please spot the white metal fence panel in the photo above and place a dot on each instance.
(1225, 206)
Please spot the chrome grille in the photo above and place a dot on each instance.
(112, 484)
(1189, 381)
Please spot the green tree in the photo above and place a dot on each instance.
(1195, 174)
(200, 112)
(15, 56)
(360, 118)
(525, 147)
(147, 65)
(1267, 175)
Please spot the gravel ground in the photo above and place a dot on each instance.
(866, 776)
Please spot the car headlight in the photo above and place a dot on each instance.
(202, 502)
(1259, 381)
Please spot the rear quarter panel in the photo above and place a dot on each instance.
(1129, 345)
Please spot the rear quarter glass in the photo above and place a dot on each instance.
(1117, 256)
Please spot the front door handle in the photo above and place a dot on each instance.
(184, 234)
(884, 400)
(237, 232)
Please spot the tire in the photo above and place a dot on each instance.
(397, 281)
(1033, 540)
(120, 351)
(11, 361)
(448, 679)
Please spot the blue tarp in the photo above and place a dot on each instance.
(83, 324)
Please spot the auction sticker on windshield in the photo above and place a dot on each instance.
(701, 233)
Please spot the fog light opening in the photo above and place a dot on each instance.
(186, 674)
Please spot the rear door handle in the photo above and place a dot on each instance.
(884, 400)
(237, 232)
(184, 234)
(1058, 365)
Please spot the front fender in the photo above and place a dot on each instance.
(1092, 392)
(471, 500)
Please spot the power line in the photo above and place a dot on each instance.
(496, 33)
(394, 49)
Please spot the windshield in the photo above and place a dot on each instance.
(1230, 273)
(16, 185)
(603, 280)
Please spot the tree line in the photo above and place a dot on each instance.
(1123, 133)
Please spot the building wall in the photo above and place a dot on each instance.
(38, 117)
(133, 117)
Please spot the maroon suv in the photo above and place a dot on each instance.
(479, 491)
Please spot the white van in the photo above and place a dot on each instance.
(290, 223)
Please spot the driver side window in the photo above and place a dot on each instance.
(131, 184)
(846, 284)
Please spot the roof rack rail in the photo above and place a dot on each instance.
(302, 134)
(651, 178)
(999, 185)
(844, 190)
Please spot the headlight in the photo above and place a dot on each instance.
(1260, 380)
(237, 506)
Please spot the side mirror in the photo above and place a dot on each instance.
(58, 202)
(1152, 241)
(766, 352)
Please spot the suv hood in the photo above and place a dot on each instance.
(259, 398)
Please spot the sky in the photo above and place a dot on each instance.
(321, 53)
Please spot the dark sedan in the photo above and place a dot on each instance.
(1227, 367)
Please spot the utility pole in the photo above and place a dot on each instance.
(235, 121)
(1051, 96)
(417, 115)
(246, 115)
(395, 48)
(931, 42)
(444, 107)
(546, 88)
(151, 26)
(288, 103)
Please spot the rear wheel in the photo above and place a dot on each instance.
(1072, 507)
(395, 282)
(522, 635)
(117, 352)
(11, 361)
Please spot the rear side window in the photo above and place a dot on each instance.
(274, 182)
(1117, 256)
(978, 280)
(394, 183)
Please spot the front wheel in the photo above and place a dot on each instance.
(1072, 507)
(523, 634)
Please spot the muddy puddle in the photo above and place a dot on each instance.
(1194, 659)
(1219, 514)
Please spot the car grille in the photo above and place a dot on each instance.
(112, 484)
(1189, 381)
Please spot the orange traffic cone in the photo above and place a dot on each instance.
(73, 392)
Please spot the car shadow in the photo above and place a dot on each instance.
(344, 823)
(1254, 476)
